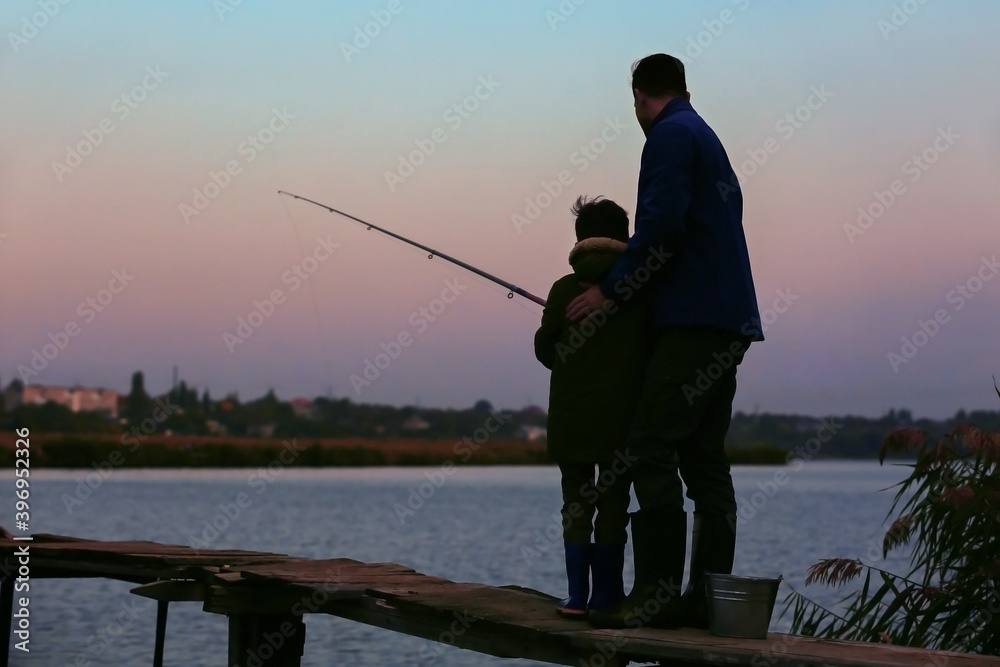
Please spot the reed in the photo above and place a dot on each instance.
(948, 512)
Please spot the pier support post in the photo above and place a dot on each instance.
(266, 640)
(6, 609)
(162, 606)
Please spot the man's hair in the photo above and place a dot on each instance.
(600, 217)
(658, 75)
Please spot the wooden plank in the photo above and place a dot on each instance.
(139, 572)
(699, 647)
(66, 547)
(400, 583)
(333, 575)
(67, 552)
(172, 591)
(463, 632)
(499, 605)
(529, 616)
(54, 569)
(38, 538)
(505, 621)
(271, 598)
(138, 569)
(49, 541)
(324, 570)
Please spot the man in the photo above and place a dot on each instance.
(690, 250)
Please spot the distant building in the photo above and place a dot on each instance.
(415, 423)
(261, 430)
(214, 427)
(531, 433)
(302, 407)
(77, 399)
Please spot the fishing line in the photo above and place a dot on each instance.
(512, 289)
(312, 293)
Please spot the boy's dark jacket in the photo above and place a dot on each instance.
(597, 368)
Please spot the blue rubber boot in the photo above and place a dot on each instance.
(578, 573)
(606, 565)
(659, 539)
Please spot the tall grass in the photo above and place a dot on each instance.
(948, 509)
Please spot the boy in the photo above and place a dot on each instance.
(597, 373)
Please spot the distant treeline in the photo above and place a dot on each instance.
(842, 437)
(184, 413)
(101, 455)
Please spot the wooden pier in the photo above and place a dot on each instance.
(266, 596)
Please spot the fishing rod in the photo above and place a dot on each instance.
(513, 289)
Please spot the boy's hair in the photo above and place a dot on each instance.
(600, 217)
(658, 75)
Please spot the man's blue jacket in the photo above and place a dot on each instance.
(688, 245)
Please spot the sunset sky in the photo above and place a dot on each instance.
(144, 144)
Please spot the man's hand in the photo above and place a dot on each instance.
(585, 306)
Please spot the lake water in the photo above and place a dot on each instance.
(478, 527)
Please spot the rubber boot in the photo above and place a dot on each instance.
(713, 547)
(712, 553)
(578, 558)
(694, 599)
(606, 569)
(659, 537)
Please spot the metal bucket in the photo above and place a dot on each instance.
(740, 606)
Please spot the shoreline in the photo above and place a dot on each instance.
(85, 451)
